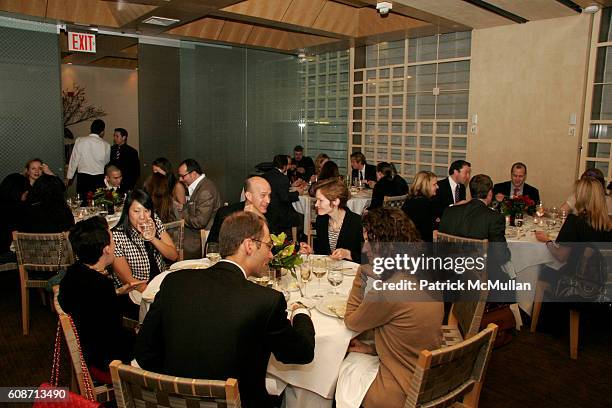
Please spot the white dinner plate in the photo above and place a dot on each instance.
(333, 305)
(191, 264)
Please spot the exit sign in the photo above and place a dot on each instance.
(81, 42)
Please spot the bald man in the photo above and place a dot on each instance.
(257, 198)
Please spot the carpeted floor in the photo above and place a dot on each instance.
(534, 370)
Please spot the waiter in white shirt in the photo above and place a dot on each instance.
(89, 156)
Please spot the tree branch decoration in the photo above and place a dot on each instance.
(76, 109)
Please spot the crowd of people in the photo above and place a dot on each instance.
(216, 324)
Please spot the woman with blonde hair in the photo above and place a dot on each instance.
(319, 162)
(419, 205)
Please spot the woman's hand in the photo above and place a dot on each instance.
(542, 236)
(305, 249)
(341, 253)
(361, 347)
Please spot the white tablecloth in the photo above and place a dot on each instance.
(357, 204)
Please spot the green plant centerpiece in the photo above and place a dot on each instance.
(285, 255)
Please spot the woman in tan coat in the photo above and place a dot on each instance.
(404, 323)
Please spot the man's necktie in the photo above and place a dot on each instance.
(457, 194)
(516, 191)
(361, 175)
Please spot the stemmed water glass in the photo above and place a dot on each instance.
(319, 269)
(305, 273)
(335, 277)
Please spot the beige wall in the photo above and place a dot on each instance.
(525, 82)
(114, 90)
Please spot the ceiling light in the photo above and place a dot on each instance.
(160, 21)
(592, 9)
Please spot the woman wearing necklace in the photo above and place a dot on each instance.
(339, 231)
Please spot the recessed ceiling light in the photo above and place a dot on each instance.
(160, 21)
(592, 9)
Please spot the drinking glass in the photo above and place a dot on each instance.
(563, 216)
(518, 220)
(305, 273)
(212, 252)
(319, 269)
(540, 209)
(335, 277)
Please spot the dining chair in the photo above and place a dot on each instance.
(39, 253)
(8, 266)
(81, 380)
(176, 229)
(452, 376)
(394, 201)
(135, 387)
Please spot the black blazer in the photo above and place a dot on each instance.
(350, 237)
(128, 163)
(281, 215)
(421, 210)
(90, 298)
(307, 164)
(370, 173)
(445, 196)
(215, 324)
(505, 189)
(40, 218)
(220, 216)
(395, 186)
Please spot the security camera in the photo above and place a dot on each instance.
(384, 7)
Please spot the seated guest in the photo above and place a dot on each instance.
(339, 231)
(318, 163)
(281, 215)
(570, 204)
(304, 166)
(378, 375)
(156, 186)
(516, 186)
(35, 168)
(13, 193)
(141, 244)
(388, 183)
(87, 293)
(362, 170)
(257, 198)
(112, 178)
(328, 171)
(451, 190)
(216, 324)
(163, 166)
(419, 205)
(46, 210)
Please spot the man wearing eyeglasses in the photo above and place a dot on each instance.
(215, 324)
(199, 211)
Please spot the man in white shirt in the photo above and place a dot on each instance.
(199, 212)
(89, 156)
(112, 178)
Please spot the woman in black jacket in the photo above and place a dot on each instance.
(389, 184)
(419, 205)
(46, 210)
(13, 192)
(339, 231)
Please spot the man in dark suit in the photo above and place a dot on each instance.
(303, 166)
(199, 211)
(215, 324)
(516, 186)
(475, 219)
(281, 215)
(257, 198)
(451, 190)
(362, 170)
(126, 158)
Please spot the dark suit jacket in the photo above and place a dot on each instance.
(199, 213)
(506, 187)
(370, 173)
(128, 162)
(41, 218)
(90, 298)
(350, 237)
(421, 210)
(281, 215)
(308, 166)
(222, 214)
(444, 196)
(215, 324)
(387, 187)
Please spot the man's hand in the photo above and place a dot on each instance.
(301, 170)
(68, 182)
(542, 236)
(371, 183)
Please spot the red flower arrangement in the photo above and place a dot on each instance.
(518, 204)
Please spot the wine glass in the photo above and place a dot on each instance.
(212, 252)
(306, 273)
(335, 277)
(518, 220)
(540, 209)
(319, 269)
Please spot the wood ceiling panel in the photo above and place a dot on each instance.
(266, 9)
(32, 7)
(338, 18)
(132, 50)
(534, 9)
(303, 12)
(95, 12)
(204, 28)
(371, 23)
(459, 11)
(234, 32)
(125, 13)
(298, 41)
(267, 37)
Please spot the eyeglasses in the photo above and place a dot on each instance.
(269, 244)
(183, 175)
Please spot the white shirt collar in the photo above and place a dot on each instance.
(108, 185)
(232, 262)
(195, 183)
